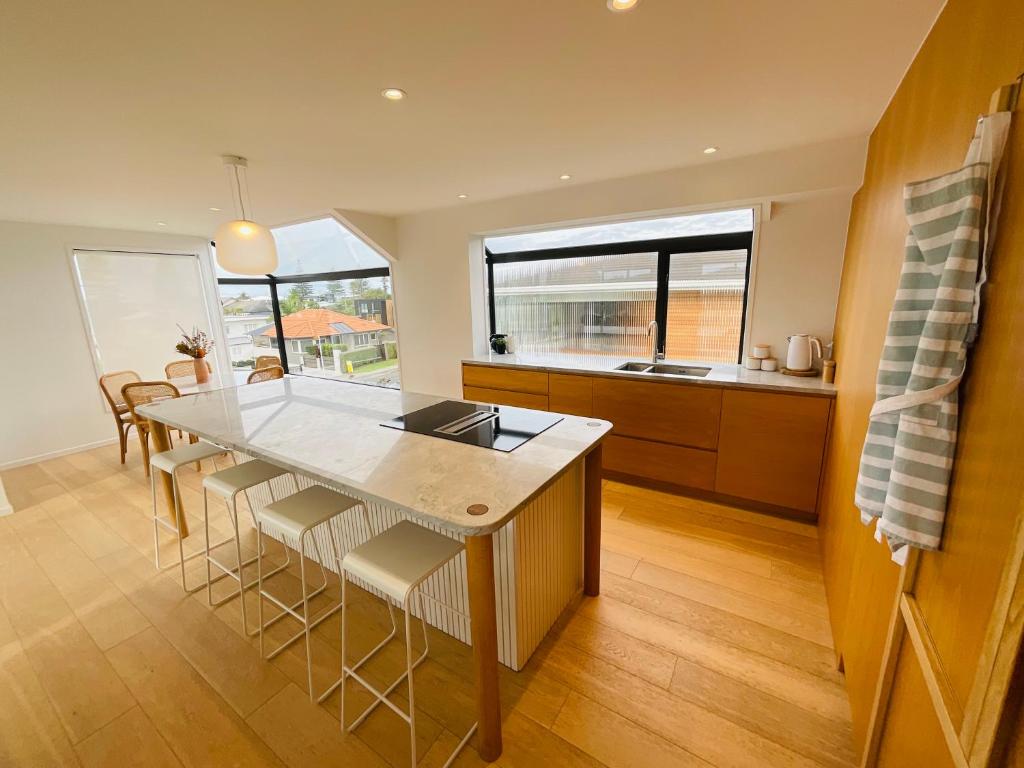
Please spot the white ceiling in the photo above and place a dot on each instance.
(114, 113)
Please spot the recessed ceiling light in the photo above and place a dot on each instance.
(393, 94)
(161, 223)
(565, 177)
(622, 5)
(462, 196)
(710, 150)
(213, 208)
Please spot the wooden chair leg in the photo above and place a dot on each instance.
(122, 438)
(144, 442)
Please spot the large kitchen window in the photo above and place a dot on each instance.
(330, 301)
(595, 290)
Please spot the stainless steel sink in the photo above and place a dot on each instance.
(665, 369)
(679, 370)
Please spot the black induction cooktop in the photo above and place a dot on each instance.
(500, 427)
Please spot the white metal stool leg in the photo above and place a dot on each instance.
(179, 512)
(381, 697)
(236, 572)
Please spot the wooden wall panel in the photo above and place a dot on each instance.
(922, 744)
(975, 47)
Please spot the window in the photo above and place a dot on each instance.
(133, 304)
(599, 296)
(331, 286)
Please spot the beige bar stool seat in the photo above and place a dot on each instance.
(227, 484)
(170, 462)
(295, 517)
(397, 562)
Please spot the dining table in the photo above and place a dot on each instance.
(530, 518)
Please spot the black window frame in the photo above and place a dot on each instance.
(273, 281)
(664, 247)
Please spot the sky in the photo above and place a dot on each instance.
(714, 223)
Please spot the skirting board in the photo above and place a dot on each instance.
(5, 505)
(54, 454)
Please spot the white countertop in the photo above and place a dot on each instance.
(722, 374)
(331, 431)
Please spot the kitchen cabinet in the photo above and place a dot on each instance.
(771, 448)
(571, 394)
(531, 382)
(506, 397)
(759, 446)
(672, 464)
(680, 414)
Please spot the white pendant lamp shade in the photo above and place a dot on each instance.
(243, 246)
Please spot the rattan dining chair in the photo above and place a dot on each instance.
(265, 374)
(181, 368)
(110, 385)
(142, 392)
(267, 361)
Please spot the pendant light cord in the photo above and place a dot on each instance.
(238, 187)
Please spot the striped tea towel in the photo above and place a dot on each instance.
(908, 451)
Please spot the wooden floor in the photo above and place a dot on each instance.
(708, 646)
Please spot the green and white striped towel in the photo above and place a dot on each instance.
(911, 440)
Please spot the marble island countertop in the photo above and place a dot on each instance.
(721, 375)
(331, 431)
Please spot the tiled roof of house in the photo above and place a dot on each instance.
(311, 323)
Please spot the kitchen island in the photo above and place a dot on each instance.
(530, 518)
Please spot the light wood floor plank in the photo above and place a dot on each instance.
(616, 741)
(705, 647)
(130, 741)
(813, 627)
(304, 735)
(201, 728)
(30, 731)
(827, 739)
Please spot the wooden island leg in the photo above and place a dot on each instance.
(162, 442)
(592, 523)
(484, 632)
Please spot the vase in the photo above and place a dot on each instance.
(202, 370)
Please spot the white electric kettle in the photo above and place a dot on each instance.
(799, 357)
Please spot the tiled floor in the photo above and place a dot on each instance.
(708, 646)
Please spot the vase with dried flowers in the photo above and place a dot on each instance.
(196, 345)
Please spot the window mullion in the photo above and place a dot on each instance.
(661, 299)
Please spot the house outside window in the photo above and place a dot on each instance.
(331, 298)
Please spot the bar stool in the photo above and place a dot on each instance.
(296, 516)
(227, 484)
(170, 462)
(397, 562)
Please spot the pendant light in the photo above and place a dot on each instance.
(243, 246)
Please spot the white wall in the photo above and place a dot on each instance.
(49, 397)
(438, 275)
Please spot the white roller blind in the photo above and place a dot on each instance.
(133, 304)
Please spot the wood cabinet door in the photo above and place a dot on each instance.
(771, 447)
(506, 397)
(500, 377)
(686, 467)
(571, 394)
(670, 413)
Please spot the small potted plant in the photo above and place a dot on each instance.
(196, 345)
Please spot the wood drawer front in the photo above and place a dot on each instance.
(665, 463)
(670, 413)
(771, 448)
(571, 394)
(535, 382)
(505, 397)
